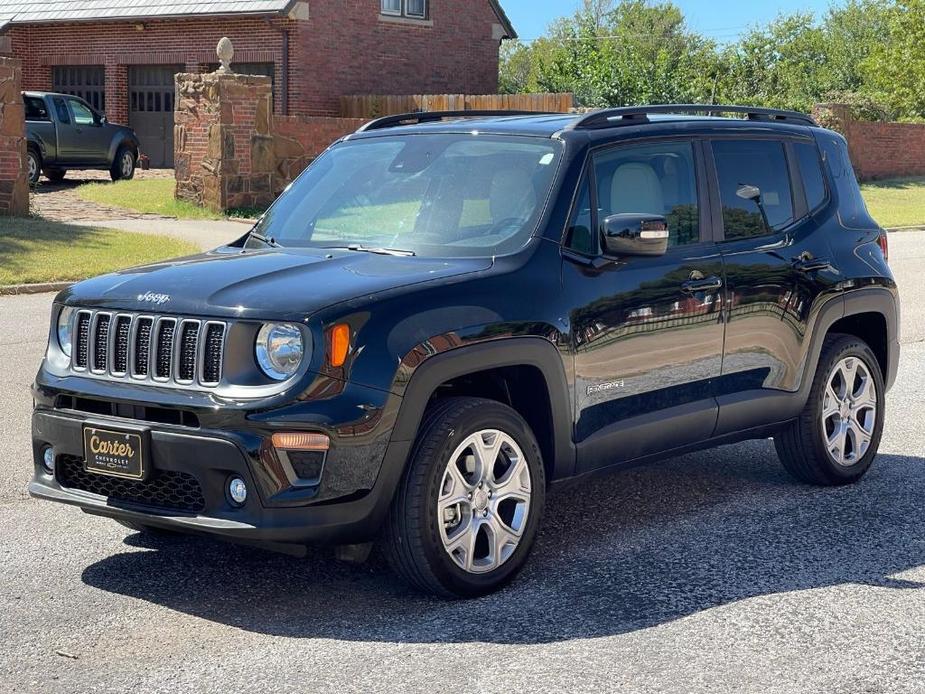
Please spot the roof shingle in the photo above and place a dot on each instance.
(39, 11)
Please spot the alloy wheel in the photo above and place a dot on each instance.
(484, 501)
(128, 163)
(849, 411)
(33, 168)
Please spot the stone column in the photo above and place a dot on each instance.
(223, 145)
(14, 187)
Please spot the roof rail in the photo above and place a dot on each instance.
(431, 116)
(633, 115)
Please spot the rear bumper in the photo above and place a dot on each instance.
(213, 458)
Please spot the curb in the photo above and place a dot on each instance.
(42, 288)
(917, 227)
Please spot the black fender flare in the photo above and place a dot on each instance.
(515, 351)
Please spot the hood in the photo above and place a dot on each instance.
(282, 284)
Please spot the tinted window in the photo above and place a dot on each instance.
(651, 179)
(35, 109)
(811, 172)
(760, 164)
(579, 236)
(82, 114)
(436, 195)
(61, 110)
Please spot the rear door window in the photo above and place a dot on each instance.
(754, 187)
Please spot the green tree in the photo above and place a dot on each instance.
(895, 70)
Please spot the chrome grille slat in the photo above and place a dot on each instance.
(161, 350)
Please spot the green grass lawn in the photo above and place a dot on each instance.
(36, 250)
(152, 196)
(896, 202)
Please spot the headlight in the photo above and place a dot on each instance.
(280, 350)
(64, 329)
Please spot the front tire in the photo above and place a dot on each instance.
(123, 166)
(33, 166)
(466, 513)
(835, 439)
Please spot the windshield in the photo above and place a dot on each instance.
(432, 195)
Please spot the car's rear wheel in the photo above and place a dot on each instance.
(835, 439)
(123, 166)
(33, 166)
(464, 519)
(54, 175)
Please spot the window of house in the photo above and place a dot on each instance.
(416, 9)
(655, 179)
(759, 167)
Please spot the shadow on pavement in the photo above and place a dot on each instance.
(615, 555)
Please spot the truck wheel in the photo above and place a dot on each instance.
(123, 167)
(836, 437)
(54, 175)
(33, 166)
(467, 510)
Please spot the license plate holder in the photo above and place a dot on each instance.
(116, 452)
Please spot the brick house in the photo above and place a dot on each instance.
(121, 55)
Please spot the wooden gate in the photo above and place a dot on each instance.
(151, 103)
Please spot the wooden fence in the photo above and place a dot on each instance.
(376, 105)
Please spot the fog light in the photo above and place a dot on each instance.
(237, 490)
(48, 460)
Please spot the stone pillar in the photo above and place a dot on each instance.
(14, 186)
(223, 144)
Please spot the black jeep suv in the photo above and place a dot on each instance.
(448, 313)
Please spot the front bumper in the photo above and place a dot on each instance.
(348, 506)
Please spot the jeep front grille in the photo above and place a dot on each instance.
(135, 347)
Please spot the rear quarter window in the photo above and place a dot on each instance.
(811, 172)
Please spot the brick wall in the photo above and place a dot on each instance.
(342, 48)
(231, 151)
(14, 188)
(886, 150)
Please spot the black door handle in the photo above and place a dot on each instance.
(812, 264)
(701, 285)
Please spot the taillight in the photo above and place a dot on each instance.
(884, 245)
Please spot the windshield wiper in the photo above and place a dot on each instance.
(268, 240)
(378, 251)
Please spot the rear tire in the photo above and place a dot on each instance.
(33, 166)
(54, 175)
(466, 512)
(836, 437)
(123, 166)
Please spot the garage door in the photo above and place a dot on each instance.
(151, 103)
(86, 81)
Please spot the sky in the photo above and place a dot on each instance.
(721, 21)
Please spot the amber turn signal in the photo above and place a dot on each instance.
(339, 337)
(300, 441)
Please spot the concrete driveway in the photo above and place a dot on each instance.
(712, 572)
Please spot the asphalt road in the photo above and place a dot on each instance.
(712, 572)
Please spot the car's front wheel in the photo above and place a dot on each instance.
(835, 439)
(54, 175)
(467, 510)
(123, 166)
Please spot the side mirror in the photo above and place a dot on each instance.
(747, 192)
(635, 234)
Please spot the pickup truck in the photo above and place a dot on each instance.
(65, 132)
